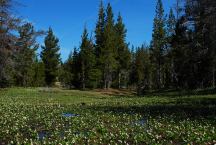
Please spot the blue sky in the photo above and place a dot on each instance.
(68, 17)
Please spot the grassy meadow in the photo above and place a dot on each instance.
(55, 116)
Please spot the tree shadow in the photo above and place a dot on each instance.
(172, 93)
(181, 109)
(180, 93)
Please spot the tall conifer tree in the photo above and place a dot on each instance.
(76, 68)
(99, 42)
(123, 54)
(51, 57)
(99, 31)
(158, 44)
(87, 58)
(66, 73)
(142, 69)
(108, 53)
(169, 74)
(25, 55)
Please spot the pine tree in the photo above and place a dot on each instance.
(183, 53)
(142, 69)
(108, 53)
(66, 73)
(158, 44)
(99, 31)
(99, 44)
(199, 15)
(171, 24)
(209, 34)
(76, 69)
(132, 73)
(50, 57)
(71, 74)
(169, 74)
(123, 54)
(87, 58)
(38, 76)
(25, 55)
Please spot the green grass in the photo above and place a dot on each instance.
(35, 116)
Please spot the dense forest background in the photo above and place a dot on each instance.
(181, 55)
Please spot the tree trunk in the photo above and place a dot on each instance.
(213, 78)
(119, 80)
(159, 77)
(83, 76)
(109, 82)
(172, 73)
(105, 81)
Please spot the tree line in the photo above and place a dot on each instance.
(181, 54)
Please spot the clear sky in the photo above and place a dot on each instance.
(68, 17)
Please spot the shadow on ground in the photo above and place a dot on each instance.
(181, 93)
(172, 93)
(182, 109)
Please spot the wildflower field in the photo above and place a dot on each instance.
(54, 116)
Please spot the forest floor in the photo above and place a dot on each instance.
(53, 116)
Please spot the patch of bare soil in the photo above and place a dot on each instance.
(115, 92)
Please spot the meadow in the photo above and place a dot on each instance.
(55, 116)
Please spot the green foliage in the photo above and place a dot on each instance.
(70, 74)
(142, 70)
(181, 53)
(108, 53)
(25, 55)
(111, 51)
(88, 60)
(192, 46)
(94, 76)
(171, 23)
(158, 45)
(50, 57)
(99, 32)
(76, 67)
(169, 72)
(66, 72)
(37, 72)
(123, 56)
